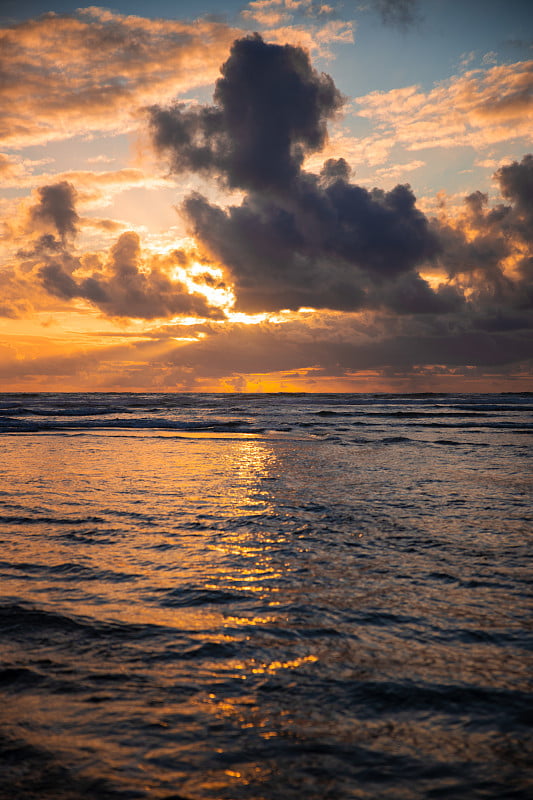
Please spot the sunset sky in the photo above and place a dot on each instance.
(280, 195)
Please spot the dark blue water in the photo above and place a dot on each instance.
(265, 596)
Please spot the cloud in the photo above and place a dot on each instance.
(93, 187)
(276, 12)
(315, 39)
(265, 16)
(479, 108)
(411, 294)
(320, 350)
(127, 283)
(454, 290)
(95, 70)
(397, 292)
(56, 208)
(324, 246)
(91, 191)
(15, 293)
(366, 150)
(297, 239)
(489, 250)
(9, 169)
(516, 183)
(65, 74)
(126, 286)
(334, 345)
(264, 349)
(271, 108)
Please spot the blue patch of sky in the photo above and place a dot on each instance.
(12, 10)
(434, 48)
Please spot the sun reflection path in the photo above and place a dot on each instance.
(244, 553)
(251, 560)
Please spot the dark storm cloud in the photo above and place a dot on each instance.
(297, 239)
(411, 294)
(125, 287)
(516, 183)
(335, 169)
(320, 246)
(57, 281)
(56, 207)
(271, 109)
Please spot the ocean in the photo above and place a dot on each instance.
(269, 597)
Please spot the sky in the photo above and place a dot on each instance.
(279, 195)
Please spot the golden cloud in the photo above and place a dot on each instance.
(478, 108)
(66, 74)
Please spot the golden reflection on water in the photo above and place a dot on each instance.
(275, 666)
(162, 498)
(248, 463)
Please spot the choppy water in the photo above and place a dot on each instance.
(265, 596)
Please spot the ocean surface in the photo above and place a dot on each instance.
(270, 597)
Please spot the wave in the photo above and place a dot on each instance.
(377, 697)
(22, 621)
(78, 411)
(68, 571)
(404, 414)
(24, 519)
(185, 596)
(12, 425)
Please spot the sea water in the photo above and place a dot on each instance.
(213, 597)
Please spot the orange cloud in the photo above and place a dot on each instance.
(315, 40)
(479, 108)
(266, 17)
(44, 267)
(369, 150)
(65, 74)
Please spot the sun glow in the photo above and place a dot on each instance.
(433, 279)
(275, 318)
(207, 280)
